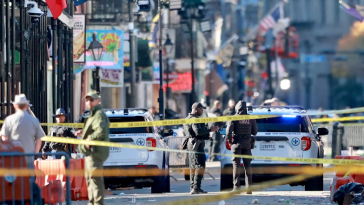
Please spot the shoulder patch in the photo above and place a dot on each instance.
(102, 124)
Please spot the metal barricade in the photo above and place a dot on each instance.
(177, 159)
(341, 136)
(23, 190)
(353, 136)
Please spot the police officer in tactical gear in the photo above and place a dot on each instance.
(59, 131)
(215, 111)
(197, 134)
(241, 142)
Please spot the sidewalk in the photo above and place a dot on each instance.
(262, 198)
(213, 164)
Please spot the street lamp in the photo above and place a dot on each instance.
(96, 49)
(187, 27)
(285, 84)
(168, 46)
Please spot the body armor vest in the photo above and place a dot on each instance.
(242, 127)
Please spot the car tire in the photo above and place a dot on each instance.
(161, 184)
(167, 181)
(187, 175)
(158, 185)
(315, 183)
(226, 180)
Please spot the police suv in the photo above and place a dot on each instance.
(289, 135)
(131, 159)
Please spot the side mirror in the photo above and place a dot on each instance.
(167, 132)
(322, 131)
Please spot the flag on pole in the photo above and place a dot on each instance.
(356, 11)
(281, 25)
(79, 2)
(56, 7)
(278, 69)
(272, 18)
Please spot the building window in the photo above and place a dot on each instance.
(337, 11)
(323, 11)
(107, 10)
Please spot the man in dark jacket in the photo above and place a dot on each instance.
(240, 140)
(197, 134)
(59, 131)
(96, 128)
(231, 109)
(215, 111)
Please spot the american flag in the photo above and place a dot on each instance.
(271, 19)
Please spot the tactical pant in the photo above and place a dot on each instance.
(197, 167)
(95, 184)
(242, 149)
(214, 146)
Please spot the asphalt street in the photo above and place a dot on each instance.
(180, 190)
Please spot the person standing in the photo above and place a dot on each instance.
(215, 111)
(197, 134)
(22, 126)
(231, 109)
(241, 142)
(96, 128)
(155, 114)
(59, 131)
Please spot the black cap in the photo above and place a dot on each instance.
(196, 105)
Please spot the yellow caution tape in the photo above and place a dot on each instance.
(73, 125)
(338, 119)
(312, 172)
(343, 111)
(200, 120)
(170, 122)
(202, 199)
(226, 195)
(286, 159)
(217, 119)
(141, 171)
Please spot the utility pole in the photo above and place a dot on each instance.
(70, 77)
(8, 75)
(307, 78)
(161, 93)
(54, 54)
(60, 65)
(132, 57)
(192, 97)
(2, 63)
(167, 82)
(268, 46)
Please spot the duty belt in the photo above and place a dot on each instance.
(243, 136)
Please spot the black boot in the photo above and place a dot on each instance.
(198, 191)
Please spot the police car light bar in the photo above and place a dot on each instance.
(292, 116)
(143, 2)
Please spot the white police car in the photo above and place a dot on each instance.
(290, 135)
(131, 159)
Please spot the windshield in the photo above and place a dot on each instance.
(282, 124)
(130, 129)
